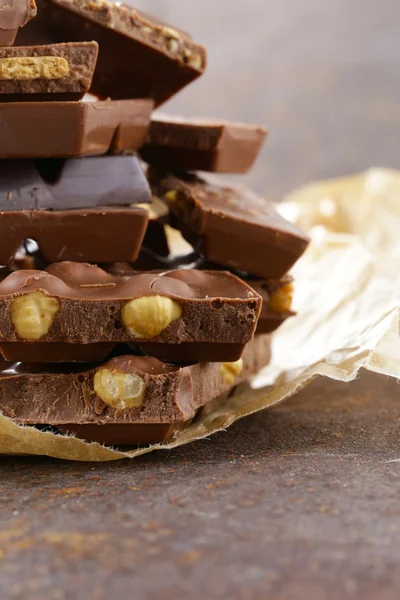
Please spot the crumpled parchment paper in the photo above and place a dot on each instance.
(347, 294)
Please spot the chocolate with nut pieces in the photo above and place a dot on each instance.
(202, 144)
(53, 72)
(129, 400)
(72, 129)
(13, 15)
(82, 235)
(230, 225)
(277, 295)
(181, 316)
(59, 184)
(139, 57)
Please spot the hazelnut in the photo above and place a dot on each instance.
(148, 316)
(118, 389)
(27, 68)
(96, 5)
(170, 33)
(195, 61)
(33, 314)
(171, 195)
(173, 46)
(230, 370)
(281, 299)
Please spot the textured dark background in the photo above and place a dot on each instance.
(301, 501)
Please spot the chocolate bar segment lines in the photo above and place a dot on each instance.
(72, 129)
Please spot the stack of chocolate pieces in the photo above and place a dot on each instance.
(105, 331)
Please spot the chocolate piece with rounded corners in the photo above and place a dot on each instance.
(13, 15)
(176, 143)
(72, 129)
(78, 303)
(231, 226)
(73, 183)
(139, 56)
(53, 72)
(82, 235)
(129, 400)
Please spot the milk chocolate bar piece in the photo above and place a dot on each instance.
(13, 15)
(176, 143)
(71, 129)
(73, 183)
(92, 235)
(277, 302)
(230, 225)
(277, 296)
(54, 72)
(129, 400)
(176, 311)
(139, 56)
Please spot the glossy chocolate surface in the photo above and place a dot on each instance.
(64, 397)
(230, 225)
(139, 57)
(71, 129)
(95, 235)
(202, 144)
(218, 309)
(74, 183)
(13, 15)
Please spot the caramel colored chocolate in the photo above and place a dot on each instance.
(76, 303)
(129, 400)
(139, 56)
(74, 183)
(82, 235)
(54, 72)
(230, 225)
(13, 15)
(71, 129)
(176, 143)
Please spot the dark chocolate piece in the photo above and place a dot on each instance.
(176, 143)
(129, 400)
(70, 129)
(13, 15)
(53, 72)
(76, 303)
(139, 56)
(93, 235)
(230, 225)
(73, 183)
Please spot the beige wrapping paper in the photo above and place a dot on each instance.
(347, 296)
